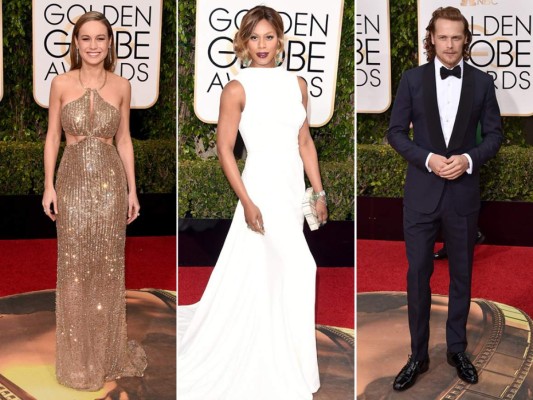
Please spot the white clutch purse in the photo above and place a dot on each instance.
(309, 209)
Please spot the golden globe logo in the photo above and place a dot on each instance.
(372, 56)
(136, 28)
(312, 41)
(502, 36)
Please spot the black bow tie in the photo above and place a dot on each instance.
(445, 72)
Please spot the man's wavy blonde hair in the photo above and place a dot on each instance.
(452, 14)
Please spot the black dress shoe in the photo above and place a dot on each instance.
(465, 369)
(441, 254)
(480, 238)
(407, 376)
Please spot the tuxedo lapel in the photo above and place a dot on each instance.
(465, 108)
(432, 109)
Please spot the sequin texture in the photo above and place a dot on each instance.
(91, 186)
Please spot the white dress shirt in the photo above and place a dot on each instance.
(448, 96)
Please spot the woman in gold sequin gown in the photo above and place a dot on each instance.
(93, 200)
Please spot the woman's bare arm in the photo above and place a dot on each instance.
(232, 103)
(310, 158)
(51, 148)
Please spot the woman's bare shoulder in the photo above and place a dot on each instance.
(118, 81)
(65, 80)
(233, 88)
(119, 86)
(233, 93)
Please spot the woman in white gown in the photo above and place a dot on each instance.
(252, 335)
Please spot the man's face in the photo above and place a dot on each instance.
(449, 41)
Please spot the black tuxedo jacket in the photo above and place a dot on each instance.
(416, 103)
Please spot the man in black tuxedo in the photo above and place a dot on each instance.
(444, 100)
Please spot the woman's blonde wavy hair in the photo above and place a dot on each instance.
(248, 24)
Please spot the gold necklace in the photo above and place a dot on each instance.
(85, 87)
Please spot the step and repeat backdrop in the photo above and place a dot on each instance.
(137, 35)
(501, 46)
(372, 56)
(312, 40)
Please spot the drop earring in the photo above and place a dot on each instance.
(77, 55)
(109, 54)
(279, 58)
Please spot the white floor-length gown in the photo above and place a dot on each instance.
(252, 335)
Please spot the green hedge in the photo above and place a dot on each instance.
(509, 176)
(334, 141)
(204, 191)
(371, 128)
(21, 119)
(22, 171)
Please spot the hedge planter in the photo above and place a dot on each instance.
(507, 177)
(204, 191)
(22, 170)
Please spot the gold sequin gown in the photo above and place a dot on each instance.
(92, 345)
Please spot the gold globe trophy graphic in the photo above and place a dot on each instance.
(27, 348)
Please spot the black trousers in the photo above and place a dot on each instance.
(420, 232)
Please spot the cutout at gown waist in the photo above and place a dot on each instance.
(79, 139)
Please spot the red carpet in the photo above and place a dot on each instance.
(29, 265)
(335, 292)
(501, 273)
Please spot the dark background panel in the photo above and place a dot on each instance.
(200, 242)
(505, 223)
(22, 217)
